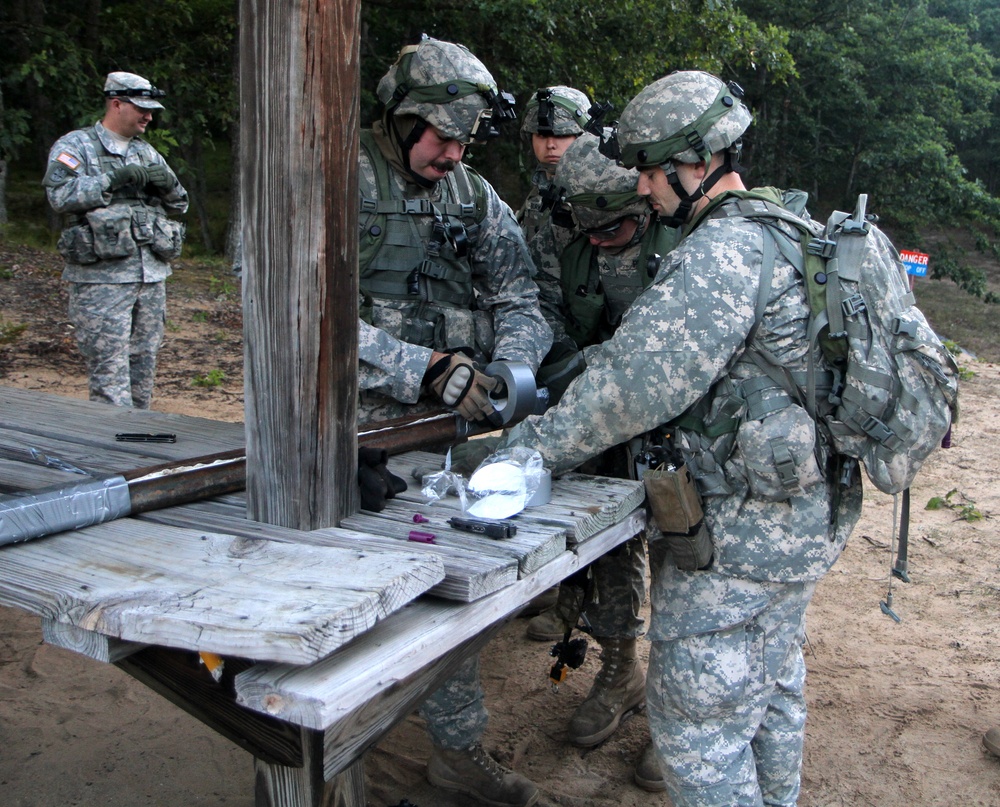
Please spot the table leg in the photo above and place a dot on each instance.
(281, 786)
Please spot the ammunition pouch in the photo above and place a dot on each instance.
(112, 232)
(675, 503)
(76, 245)
(779, 453)
(168, 238)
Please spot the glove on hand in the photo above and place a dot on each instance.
(558, 370)
(376, 484)
(128, 175)
(159, 176)
(467, 456)
(456, 381)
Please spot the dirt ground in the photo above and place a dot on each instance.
(897, 710)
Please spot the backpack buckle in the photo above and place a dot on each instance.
(417, 206)
(900, 326)
(824, 247)
(877, 430)
(853, 305)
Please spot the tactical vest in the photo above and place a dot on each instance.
(594, 304)
(413, 256)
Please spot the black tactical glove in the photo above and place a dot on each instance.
(560, 367)
(160, 178)
(128, 175)
(456, 381)
(376, 484)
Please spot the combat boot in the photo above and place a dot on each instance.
(551, 625)
(648, 774)
(620, 685)
(475, 773)
(991, 742)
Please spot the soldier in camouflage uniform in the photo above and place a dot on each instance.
(446, 285)
(726, 673)
(553, 119)
(115, 193)
(615, 250)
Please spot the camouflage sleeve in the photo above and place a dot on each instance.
(678, 338)
(503, 269)
(73, 181)
(388, 365)
(545, 252)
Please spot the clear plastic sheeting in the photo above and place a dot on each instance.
(63, 507)
(504, 483)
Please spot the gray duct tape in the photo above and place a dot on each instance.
(62, 507)
(522, 393)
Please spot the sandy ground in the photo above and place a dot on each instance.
(897, 710)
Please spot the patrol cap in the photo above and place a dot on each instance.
(133, 88)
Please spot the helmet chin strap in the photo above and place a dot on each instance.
(683, 211)
(406, 143)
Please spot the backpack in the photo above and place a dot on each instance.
(895, 385)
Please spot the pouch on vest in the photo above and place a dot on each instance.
(168, 238)
(112, 228)
(778, 452)
(76, 245)
(676, 507)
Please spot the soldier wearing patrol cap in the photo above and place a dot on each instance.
(736, 565)
(445, 282)
(115, 193)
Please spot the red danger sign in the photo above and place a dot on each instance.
(916, 262)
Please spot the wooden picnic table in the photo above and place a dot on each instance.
(328, 637)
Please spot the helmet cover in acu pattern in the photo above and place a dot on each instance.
(598, 190)
(685, 116)
(442, 83)
(555, 112)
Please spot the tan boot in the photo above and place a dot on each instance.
(648, 774)
(541, 602)
(620, 685)
(475, 773)
(991, 742)
(551, 625)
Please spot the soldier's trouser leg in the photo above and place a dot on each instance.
(617, 590)
(727, 711)
(148, 319)
(112, 321)
(455, 713)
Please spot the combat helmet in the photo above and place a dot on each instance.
(683, 118)
(686, 116)
(555, 112)
(446, 86)
(597, 189)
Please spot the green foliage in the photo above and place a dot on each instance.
(210, 380)
(965, 508)
(9, 331)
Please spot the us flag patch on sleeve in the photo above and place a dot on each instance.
(71, 162)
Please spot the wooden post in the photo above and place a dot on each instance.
(299, 93)
(299, 96)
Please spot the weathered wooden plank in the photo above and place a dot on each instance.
(180, 678)
(203, 591)
(608, 498)
(532, 548)
(468, 573)
(85, 423)
(335, 691)
(87, 642)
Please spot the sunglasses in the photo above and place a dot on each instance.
(605, 233)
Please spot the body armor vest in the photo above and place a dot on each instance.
(595, 303)
(414, 266)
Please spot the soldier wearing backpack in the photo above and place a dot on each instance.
(445, 281)
(735, 562)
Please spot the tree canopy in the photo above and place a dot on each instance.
(893, 98)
